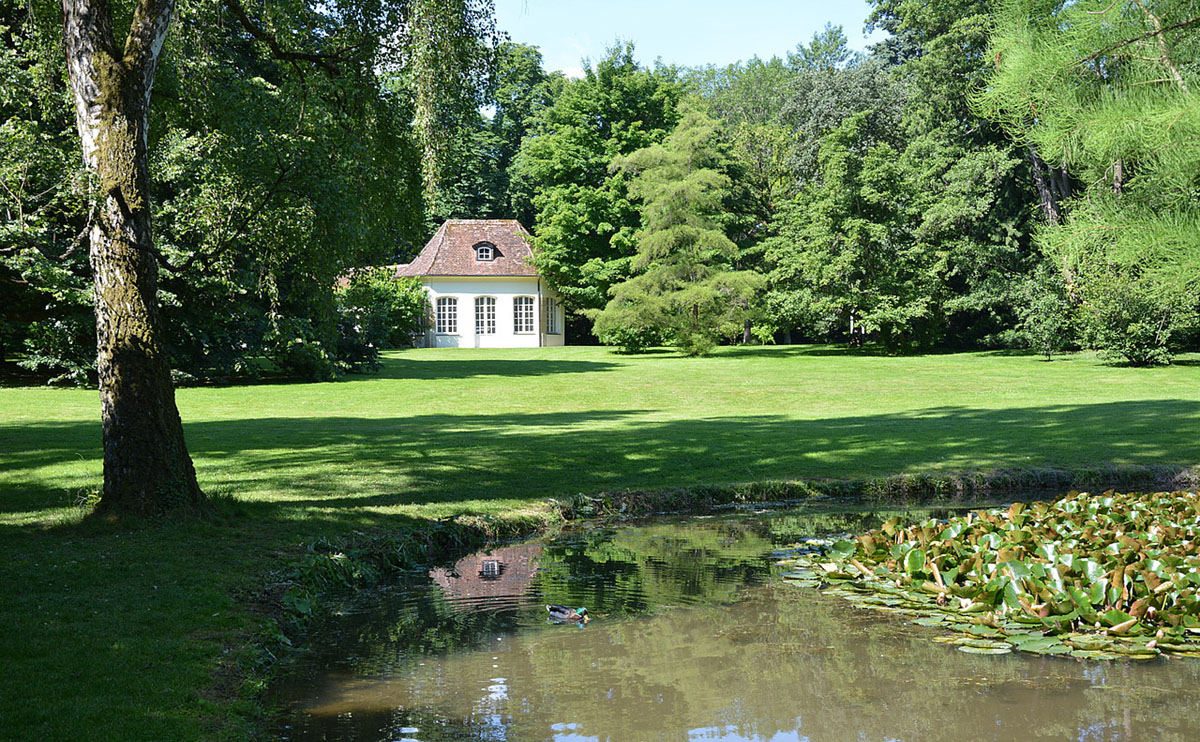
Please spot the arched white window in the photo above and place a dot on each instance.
(523, 314)
(485, 251)
(446, 315)
(550, 322)
(485, 315)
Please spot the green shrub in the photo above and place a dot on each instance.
(1135, 321)
(293, 346)
(64, 347)
(376, 310)
(389, 312)
(631, 339)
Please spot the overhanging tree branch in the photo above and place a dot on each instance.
(326, 61)
(212, 255)
(1165, 56)
(1148, 35)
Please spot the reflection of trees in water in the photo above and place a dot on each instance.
(685, 561)
(741, 651)
(633, 571)
(784, 659)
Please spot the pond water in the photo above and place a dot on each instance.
(694, 637)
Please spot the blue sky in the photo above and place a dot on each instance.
(684, 32)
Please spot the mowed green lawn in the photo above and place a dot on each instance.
(447, 431)
(114, 633)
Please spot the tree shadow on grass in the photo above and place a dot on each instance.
(328, 468)
(428, 368)
(828, 351)
(416, 367)
(790, 351)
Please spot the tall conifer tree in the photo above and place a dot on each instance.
(683, 284)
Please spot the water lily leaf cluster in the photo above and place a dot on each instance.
(1093, 576)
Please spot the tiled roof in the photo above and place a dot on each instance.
(451, 252)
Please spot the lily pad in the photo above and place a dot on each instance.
(1040, 643)
(1107, 572)
(930, 621)
(969, 649)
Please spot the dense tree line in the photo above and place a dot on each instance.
(992, 174)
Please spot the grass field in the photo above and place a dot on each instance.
(116, 633)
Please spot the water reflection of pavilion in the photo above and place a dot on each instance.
(490, 579)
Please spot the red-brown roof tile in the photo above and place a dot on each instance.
(451, 252)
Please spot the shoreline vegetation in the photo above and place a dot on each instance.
(173, 629)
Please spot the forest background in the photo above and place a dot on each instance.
(1017, 174)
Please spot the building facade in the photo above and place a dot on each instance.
(484, 291)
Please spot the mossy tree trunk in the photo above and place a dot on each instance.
(147, 469)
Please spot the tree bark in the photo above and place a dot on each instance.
(1063, 186)
(1043, 179)
(147, 469)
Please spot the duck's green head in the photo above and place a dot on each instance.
(581, 611)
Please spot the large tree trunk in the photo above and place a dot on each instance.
(147, 469)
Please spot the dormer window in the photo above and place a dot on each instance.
(485, 251)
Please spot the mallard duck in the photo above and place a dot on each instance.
(563, 614)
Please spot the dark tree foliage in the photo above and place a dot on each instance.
(277, 161)
(585, 218)
(919, 176)
(481, 149)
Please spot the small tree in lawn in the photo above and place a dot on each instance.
(683, 285)
(1047, 315)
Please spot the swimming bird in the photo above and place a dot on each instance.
(563, 614)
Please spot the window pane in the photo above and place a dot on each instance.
(447, 315)
(551, 320)
(485, 315)
(523, 314)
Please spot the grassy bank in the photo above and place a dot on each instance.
(118, 633)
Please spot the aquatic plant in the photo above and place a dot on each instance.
(1092, 576)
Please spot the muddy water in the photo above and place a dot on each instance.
(693, 638)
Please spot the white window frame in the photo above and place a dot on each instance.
(485, 320)
(446, 315)
(551, 316)
(481, 256)
(524, 320)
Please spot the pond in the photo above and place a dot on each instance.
(694, 637)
